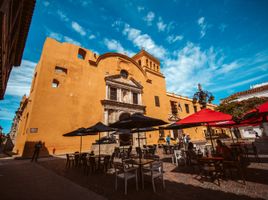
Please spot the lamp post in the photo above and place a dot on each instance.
(202, 97)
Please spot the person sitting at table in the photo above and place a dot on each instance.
(191, 154)
(223, 151)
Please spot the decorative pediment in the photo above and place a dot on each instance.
(118, 79)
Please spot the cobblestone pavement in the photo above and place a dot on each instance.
(21, 179)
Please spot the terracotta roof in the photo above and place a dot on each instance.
(250, 91)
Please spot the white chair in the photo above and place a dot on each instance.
(155, 171)
(126, 172)
(178, 157)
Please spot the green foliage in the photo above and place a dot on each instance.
(238, 108)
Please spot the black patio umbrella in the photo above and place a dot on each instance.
(137, 121)
(78, 132)
(180, 126)
(97, 129)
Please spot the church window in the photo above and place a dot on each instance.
(156, 100)
(147, 62)
(55, 83)
(81, 54)
(135, 98)
(60, 70)
(139, 62)
(124, 73)
(187, 108)
(113, 94)
(195, 109)
(150, 65)
(34, 81)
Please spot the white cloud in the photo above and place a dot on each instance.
(222, 27)
(20, 79)
(56, 36)
(144, 41)
(161, 25)
(63, 38)
(149, 18)
(79, 29)
(70, 40)
(112, 44)
(190, 66)
(225, 87)
(203, 25)
(92, 36)
(174, 38)
(46, 3)
(62, 16)
(140, 8)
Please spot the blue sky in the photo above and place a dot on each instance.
(221, 44)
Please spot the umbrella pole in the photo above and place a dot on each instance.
(232, 135)
(99, 145)
(80, 144)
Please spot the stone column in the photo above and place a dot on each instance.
(107, 92)
(139, 99)
(119, 94)
(106, 119)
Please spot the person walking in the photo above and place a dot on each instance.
(37, 148)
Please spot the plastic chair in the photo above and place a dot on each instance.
(126, 172)
(178, 157)
(155, 172)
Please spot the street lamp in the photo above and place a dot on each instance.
(202, 97)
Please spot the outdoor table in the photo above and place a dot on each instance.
(140, 163)
(211, 165)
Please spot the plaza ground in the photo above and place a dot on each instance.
(49, 179)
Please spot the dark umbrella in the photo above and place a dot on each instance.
(97, 129)
(137, 121)
(78, 132)
(148, 129)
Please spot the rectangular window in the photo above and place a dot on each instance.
(60, 70)
(174, 109)
(187, 108)
(156, 100)
(135, 98)
(195, 109)
(33, 130)
(113, 94)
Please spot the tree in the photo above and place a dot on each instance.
(238, 108)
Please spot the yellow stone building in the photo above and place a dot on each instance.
(74, 87)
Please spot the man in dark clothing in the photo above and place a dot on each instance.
(37, 148)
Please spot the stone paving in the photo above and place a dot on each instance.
(49, 179)
(21, 179)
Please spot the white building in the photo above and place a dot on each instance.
(258, 90)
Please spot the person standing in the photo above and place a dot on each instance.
(37, 148)
(168, 140)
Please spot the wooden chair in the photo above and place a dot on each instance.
(155, 172)
(125, 171)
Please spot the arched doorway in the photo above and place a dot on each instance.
(125, 139)
(124, 115)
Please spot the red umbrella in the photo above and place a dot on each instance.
(263, 108)
(205, 116)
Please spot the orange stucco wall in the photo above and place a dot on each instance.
(77, 101)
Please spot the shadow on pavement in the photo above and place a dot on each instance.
(103, 184)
